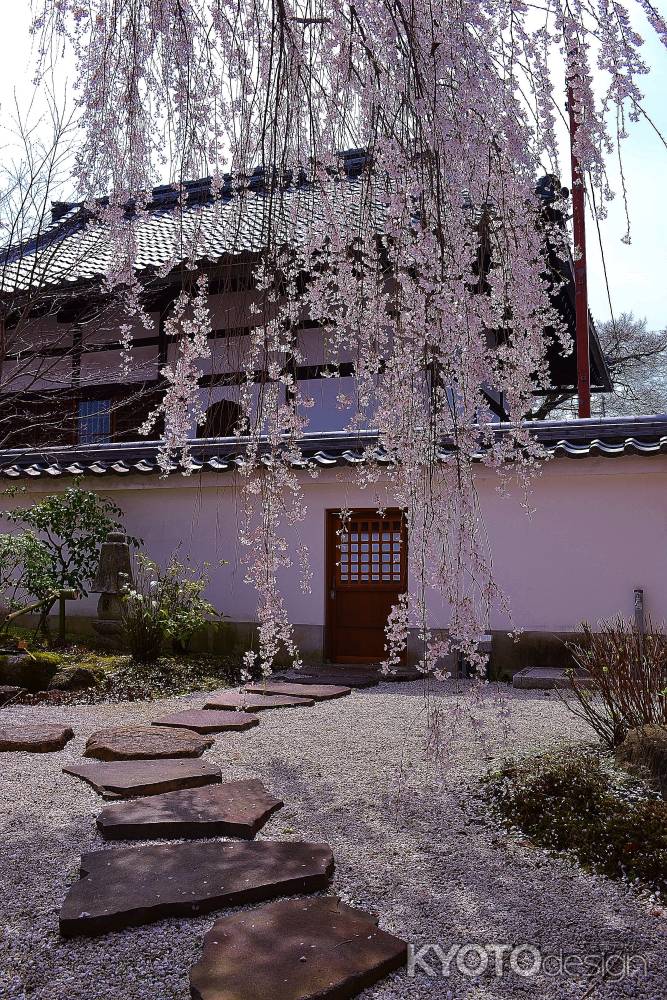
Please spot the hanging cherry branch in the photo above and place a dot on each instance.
(423, 263)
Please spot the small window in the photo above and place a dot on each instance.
(94, 421)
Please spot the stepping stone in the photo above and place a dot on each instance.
(295, 949)
(127, 886)
(202, 721)
(130, 778)
(39, 737)
(318, 692)
(550, 678)
(349, 680)
(146, 743)
(10, 692)
(256, 702)
(235, 809)
(404, 674)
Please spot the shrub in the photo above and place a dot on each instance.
(57, 550)
(26, 575)
(71, 527)
(645, 750)
(26, 569)
(629, 670)
(185, 609)
(580, 803)
(141, 614)
(163, 604)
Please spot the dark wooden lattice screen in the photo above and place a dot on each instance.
(371, 550)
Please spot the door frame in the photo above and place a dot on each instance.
(330, 575)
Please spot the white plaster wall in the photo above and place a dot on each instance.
(599, 529)
(326, 414)
(106, 327)
(30, 371)
(231, 309)
(35, 373)
(104, 367)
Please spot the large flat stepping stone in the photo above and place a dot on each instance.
(404, 675)
(146, 743)
(202, 721)
(130, 778)
(352, 680)
(123, 887)
(235, 809)
(241, 700)
(41, 737)
(295, 949)
(318, 692)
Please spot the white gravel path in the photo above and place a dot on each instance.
(355, 773)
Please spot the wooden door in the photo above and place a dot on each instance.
(366, 571)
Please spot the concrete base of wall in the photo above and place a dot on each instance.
(223, 638)
(530, 649)
(508, 655)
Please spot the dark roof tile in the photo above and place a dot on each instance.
(576, 439)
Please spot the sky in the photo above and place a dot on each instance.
(636, 274)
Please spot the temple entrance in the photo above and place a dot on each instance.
(366, 571)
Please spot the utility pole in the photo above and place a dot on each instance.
(580, 283)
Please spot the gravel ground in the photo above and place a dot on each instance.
(407, 836)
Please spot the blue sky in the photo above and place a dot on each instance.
(637, 273)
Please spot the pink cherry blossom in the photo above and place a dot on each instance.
(430, 266)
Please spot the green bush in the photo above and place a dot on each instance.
(57, 549)
(580, 803)
(163, 604)
(71, 526)
(26, 569)
(142, 617)
(186, 611)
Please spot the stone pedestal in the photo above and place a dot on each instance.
(114, 571)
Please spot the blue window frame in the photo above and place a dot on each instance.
(94, 421)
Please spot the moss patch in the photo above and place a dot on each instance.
(118, 678)
(33, 671)
(170, 675)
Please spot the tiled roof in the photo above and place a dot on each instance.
(74, 252)
(576, 439)
(74, 249)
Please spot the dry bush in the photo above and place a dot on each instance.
(629, 670)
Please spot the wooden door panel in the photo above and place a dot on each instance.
(359, 645)
(366, 571)
(368, 607)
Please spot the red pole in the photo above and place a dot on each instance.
(580, 284)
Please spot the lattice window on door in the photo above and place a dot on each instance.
(371, 551)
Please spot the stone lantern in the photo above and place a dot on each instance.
(114, 570)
